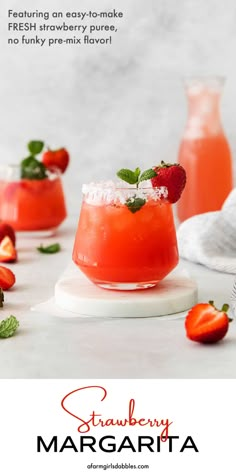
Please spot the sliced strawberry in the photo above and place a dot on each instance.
(205, 324)
(7, 278)
(58, 159)
(172, 176)
(7, 250)
(7, 230)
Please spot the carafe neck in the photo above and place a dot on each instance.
(203, 111)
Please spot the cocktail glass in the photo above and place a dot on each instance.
(122, 249)
(31, 205)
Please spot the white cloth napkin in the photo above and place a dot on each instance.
(210, 238)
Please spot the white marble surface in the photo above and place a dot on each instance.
(49, 347)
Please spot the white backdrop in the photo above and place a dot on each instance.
(115, 105)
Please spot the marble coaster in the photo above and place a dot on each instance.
(74, 293)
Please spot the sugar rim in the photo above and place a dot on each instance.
(110, 192)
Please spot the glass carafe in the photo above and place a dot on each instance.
(204, 150)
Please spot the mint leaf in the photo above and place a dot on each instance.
(52, 249)
(135, 203)
(1, 298)
(32, 169)
(35, 147)
(128, 175)
(8, 327)
(147, 174)
(137, 171)
(135, 177)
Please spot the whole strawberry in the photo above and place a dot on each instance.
(172, 176)
(56, 159)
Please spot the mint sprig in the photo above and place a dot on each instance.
(8, 327)
(135, 203)
(31, 167)
(135, 177)
(52, 249)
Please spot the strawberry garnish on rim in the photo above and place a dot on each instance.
(7, 250)
(172, 176)
(206, 324)
(58, 159)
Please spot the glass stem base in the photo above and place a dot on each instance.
(45, 233)
(126, 286)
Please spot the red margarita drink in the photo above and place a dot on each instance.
(31, 205)
(119, 247)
